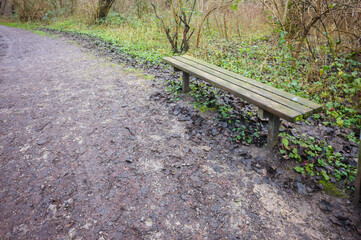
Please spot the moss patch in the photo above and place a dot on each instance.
(331, 189)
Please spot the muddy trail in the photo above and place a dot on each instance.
(93, 149)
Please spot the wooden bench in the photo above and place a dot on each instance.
(272, 103)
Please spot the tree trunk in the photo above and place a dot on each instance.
(103, 9)
(201, 24)
(2, 7)
(305, 33)
(74, 4)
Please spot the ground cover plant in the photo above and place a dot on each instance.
(324, 68)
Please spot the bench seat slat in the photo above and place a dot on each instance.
(261, 101)
(314, 106)
(255, 89)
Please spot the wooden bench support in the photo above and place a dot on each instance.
(262, 114)
(273, 130)
(185, 82)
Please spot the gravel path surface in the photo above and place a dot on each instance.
(88, 151)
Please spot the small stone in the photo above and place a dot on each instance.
(262, 171)
(206, 148)
(52, 208)
(243, 152)
(72, 233)
(23, 228)
(215, 132)
(339, 214)
(68, 203)
(175, 135)
(186, 150)
(301, 189)
(88, 224)
(129, 160)
(42, 142)
(335, 221)
(149, 222)
(176, 111)
(325, 206)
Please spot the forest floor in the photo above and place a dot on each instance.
(94, 149)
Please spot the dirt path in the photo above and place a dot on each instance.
(87, 152)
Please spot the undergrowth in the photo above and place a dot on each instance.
(336, 85)
(318, 159)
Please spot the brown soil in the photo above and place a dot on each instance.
(89, 149)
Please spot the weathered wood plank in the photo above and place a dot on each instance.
(260, 101)
(270, 95)
(316, 107)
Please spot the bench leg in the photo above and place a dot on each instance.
(273, 130)
(262, 114)
(185, 82)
